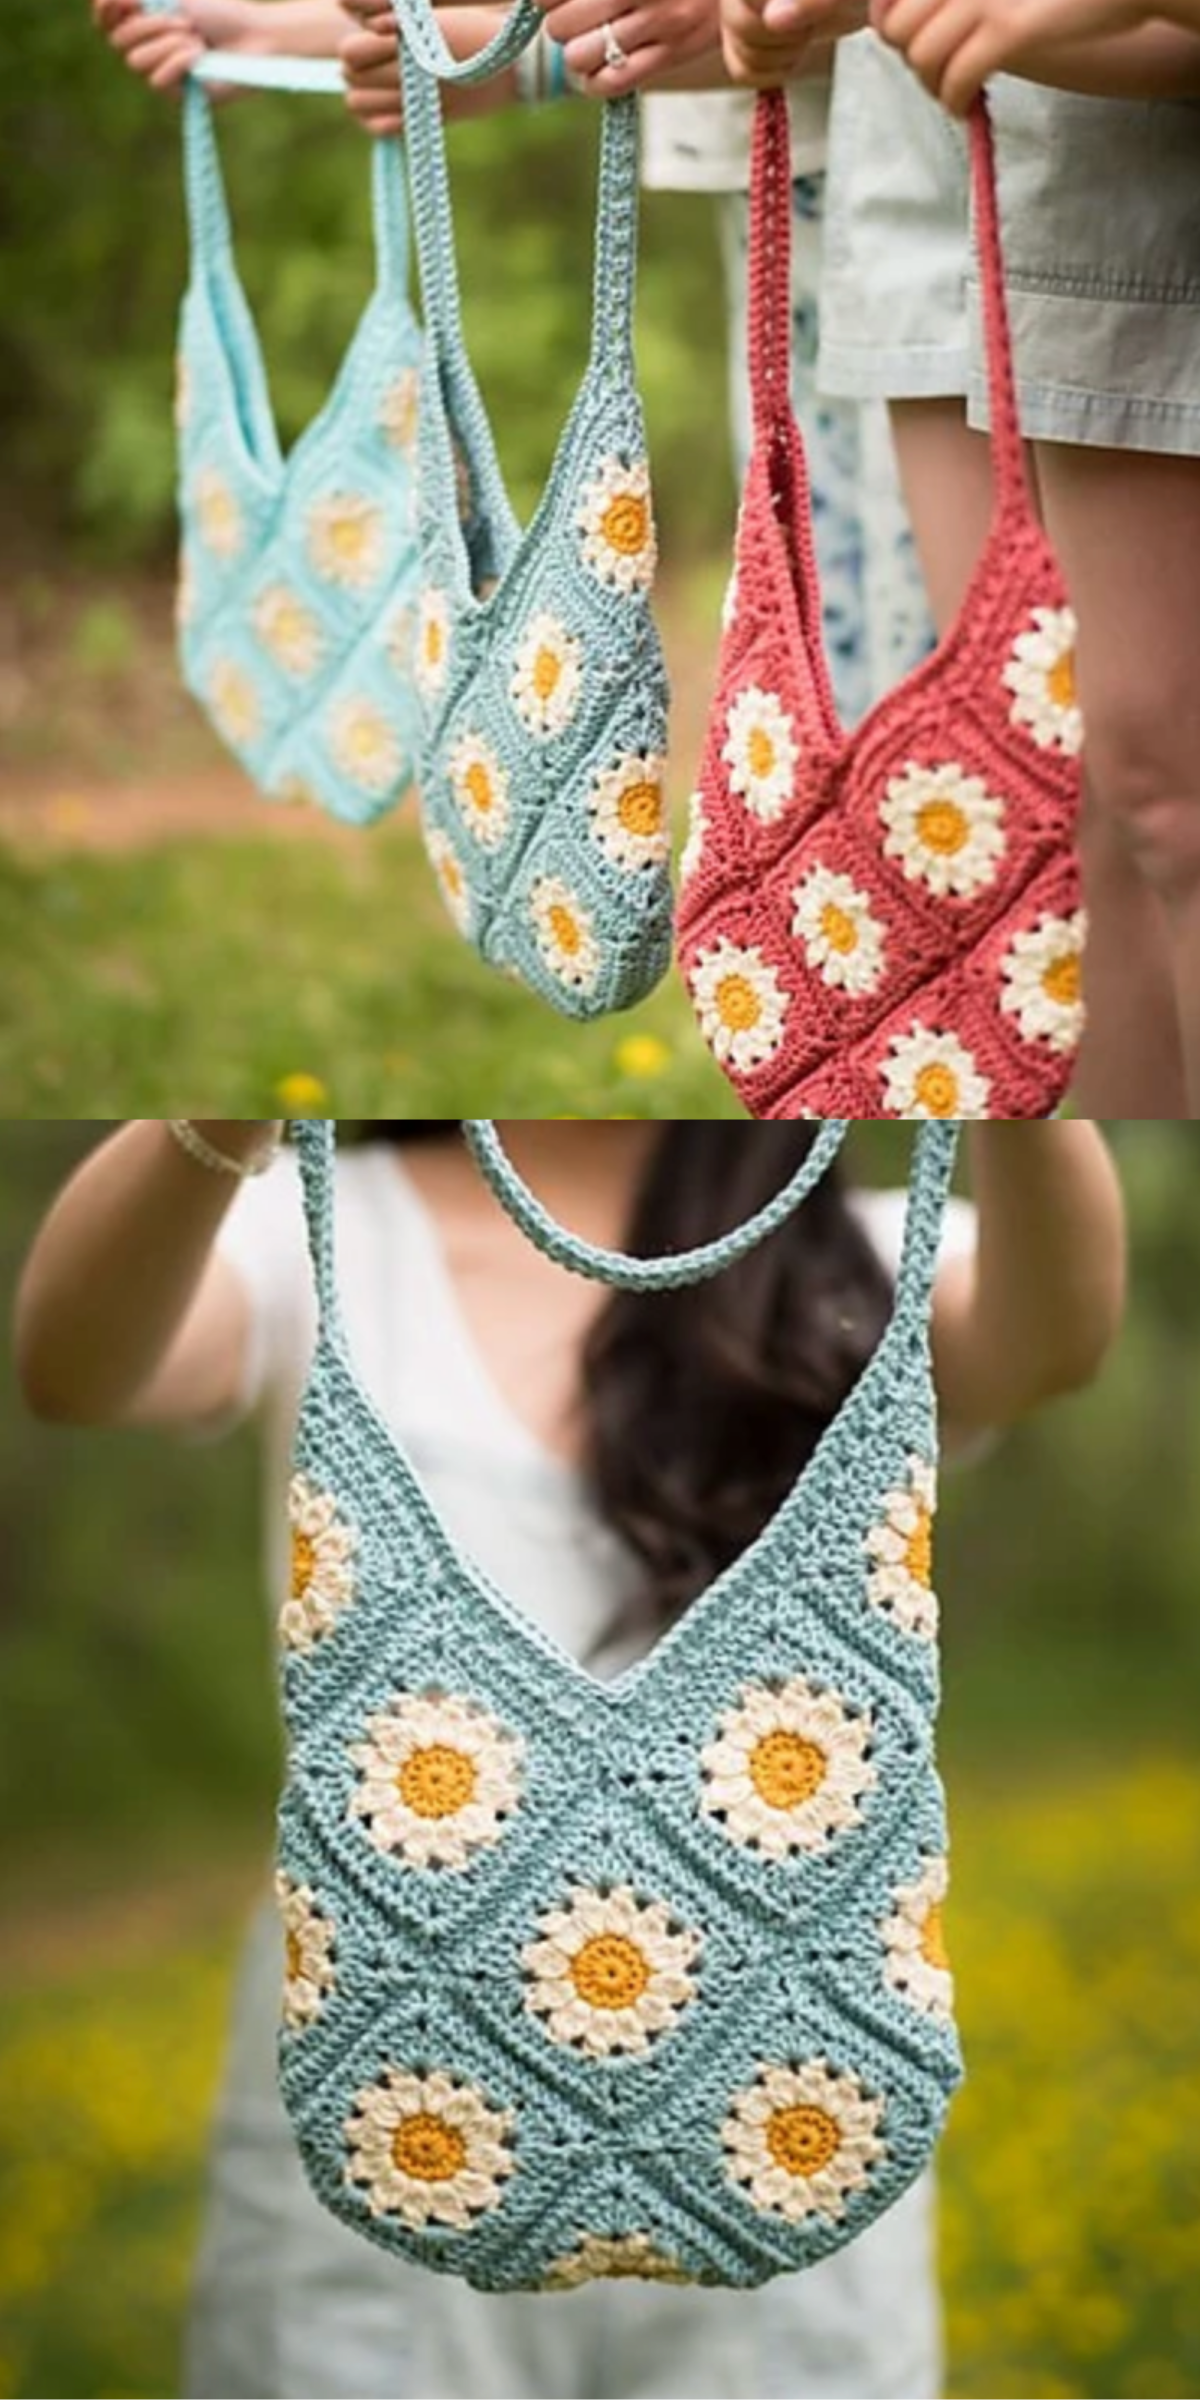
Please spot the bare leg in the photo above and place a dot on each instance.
(1130, 1063)
(1126, 526)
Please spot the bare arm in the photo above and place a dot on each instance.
(123, 1315)
(1036, 1309)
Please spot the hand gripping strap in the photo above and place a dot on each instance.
(422, 39)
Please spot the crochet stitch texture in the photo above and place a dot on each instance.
(297, 591)
(886, 923)
(643, 1977)
(537, 659)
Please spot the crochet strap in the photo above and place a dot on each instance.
(422, 38)
(1008, 455)
(768, 273)
(616, 1267)
(316, 1148)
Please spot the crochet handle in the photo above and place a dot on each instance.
(422, 39)
(616, 1267)
(769, 266)
(1008, 455)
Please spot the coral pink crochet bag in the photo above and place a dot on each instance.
(885, 924)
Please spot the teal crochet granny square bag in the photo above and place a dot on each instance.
(298, 574)
(543, 757)
(632, 1978)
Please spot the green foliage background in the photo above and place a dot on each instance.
(95, 260)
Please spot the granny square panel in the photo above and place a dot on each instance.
(636, 1978)
(537, 660)
(298, 574)
(885, 923)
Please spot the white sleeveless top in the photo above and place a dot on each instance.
(288, 2303)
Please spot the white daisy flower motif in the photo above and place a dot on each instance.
(616, 526)
(929, 1074)
(546, 675)
(1043, 981)
(1040, 674)
(322, 1572)
(565, 933)
(400, 642)
(308, 1974)
(429, 2149)
(217, 515)
(788, 1769)
(627, 808)
(451, 876)
(288, 630)
(431, 658)
(917, 1964)
(802, 2139)
(609, 1972)
(693, 848)
(945, 828)
(480, 787)
(760, 752)
(741, 1005)
(397, 412)
(344, 539)
(843, 941)
(599, 2257)
(439, 1777)
(900, 1548)
(233, 702)
(364, 744)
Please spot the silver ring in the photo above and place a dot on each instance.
(614, 56)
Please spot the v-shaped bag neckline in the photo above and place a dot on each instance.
(841, 957)
(903, 1348)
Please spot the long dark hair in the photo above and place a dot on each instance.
(702, 1406)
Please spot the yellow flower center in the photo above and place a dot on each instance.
(294, 1956)
(547, 668)
(304, 1564)
(785, 1769)
(936, 1089)
(479, 787)
(428, 2149)
(640, 808)
(436, 1781)
(365, 737)
(802, 2140)
(942, 826)
(918, 1549)
(610, 1971)
(760, 751)
(565, 929)
(625, 524)
(839, 929)
(1060, 682)
(348, 534)
(738, 1004)
(433, 641)
(452, 877)
(1063, 979)
(933, 1940)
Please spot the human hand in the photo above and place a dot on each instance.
(953, 46)
(656, 37)
(766, 42)
(164, 47)
(370, 63)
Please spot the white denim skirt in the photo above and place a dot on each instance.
(1100, 210)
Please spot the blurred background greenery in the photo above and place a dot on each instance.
(162, 929)
(137, 1771)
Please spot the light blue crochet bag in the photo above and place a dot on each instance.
(298, 575)
(537, 659)
(631, 1978)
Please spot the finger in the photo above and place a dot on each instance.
(176, 67)
(611, 83)
(969, 69)
(366, 111)
(108, 13)
(360, 53)
(904, 19)
(377, 83)
(931, 49)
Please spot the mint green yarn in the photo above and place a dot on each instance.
(455, 2094)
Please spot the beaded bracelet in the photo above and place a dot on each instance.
(205, 1155)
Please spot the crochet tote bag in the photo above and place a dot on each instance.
(537, 659)
(298, 575)
(631, 1978)
(885, 923)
